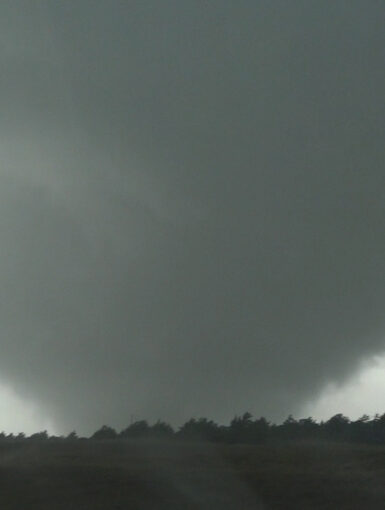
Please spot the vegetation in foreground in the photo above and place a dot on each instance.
(249, 464)
(160, 474)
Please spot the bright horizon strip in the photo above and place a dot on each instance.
(20, 415)
(363, 393)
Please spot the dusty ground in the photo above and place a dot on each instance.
(167, 475)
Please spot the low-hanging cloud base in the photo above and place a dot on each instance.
(191, 205)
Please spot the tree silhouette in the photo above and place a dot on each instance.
(105, 432)
(201, 429)
(136, 429)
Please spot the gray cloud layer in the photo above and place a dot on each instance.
(191, 204)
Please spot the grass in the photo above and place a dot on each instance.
(170, 475)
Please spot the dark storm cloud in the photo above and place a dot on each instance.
(192, 204)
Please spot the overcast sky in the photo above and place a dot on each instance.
(191, 205)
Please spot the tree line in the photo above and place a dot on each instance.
(241, 429)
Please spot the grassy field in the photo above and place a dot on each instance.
(169, 475)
